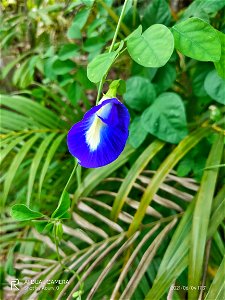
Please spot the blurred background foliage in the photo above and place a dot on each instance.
(112, 247)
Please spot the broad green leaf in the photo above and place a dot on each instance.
(94, 44)
(21, 212)
(205, 6)
(15, 165)
(217, 288)
(215, 87)
(137, 133)
(221, 63)
(50, 154)
(198, 77)
(132, 175)
(81, 17)
(165, 77)
(140, 93)
(68, 51)
(201, 217)
(166, 119)
(63, 206)
(99, 66)
(40, 225)
(36, 162)
(74, 32)
(63, 67)
(157, 12)
(197, 39)
(153, 48)
(136, 33)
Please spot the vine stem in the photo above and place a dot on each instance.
(71, 175)
(111, 47)
(60, 260)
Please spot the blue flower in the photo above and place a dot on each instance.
(100, 137)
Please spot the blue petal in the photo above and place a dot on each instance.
(100, 137)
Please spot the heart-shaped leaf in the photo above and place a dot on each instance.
(153, 48)
(21, 212)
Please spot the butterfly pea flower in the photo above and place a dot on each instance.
(100, 137)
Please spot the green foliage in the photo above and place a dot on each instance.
(155, 53)
(153, 219)
(165, 118)
(140, 93)
(21, 212)
(197, 39)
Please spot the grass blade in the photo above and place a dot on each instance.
(217, 288)
(35, 164)
(135, 170)
(184, 147)
(49, 157)
(15, 165)
(201, 218)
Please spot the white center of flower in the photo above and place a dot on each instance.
(93, 136)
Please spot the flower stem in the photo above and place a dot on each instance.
(60, 260)
(71, 175)
(111, 48)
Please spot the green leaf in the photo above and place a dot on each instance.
(14, 121)
(63, 206)
(205, 6)
(74, 32)
(140, 93)
(15, 165)
(21, 212)
(137, 133)
(36, 162)
(136, 33)
(198, 78)
(40, 225)
(33, 110)
(175, 259)
(220, 64)
(197, 39)
(133, 173)
(49, 157)
(153, 48)
(63, 67)
(157, 12)
(68, 51)
(176, 155)
(165, 77)
(11, 145)
(217, 288)
(201, 217)
(166, 119)
(99, 66)
(97, 175)
(215, 87)
(81, 17)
